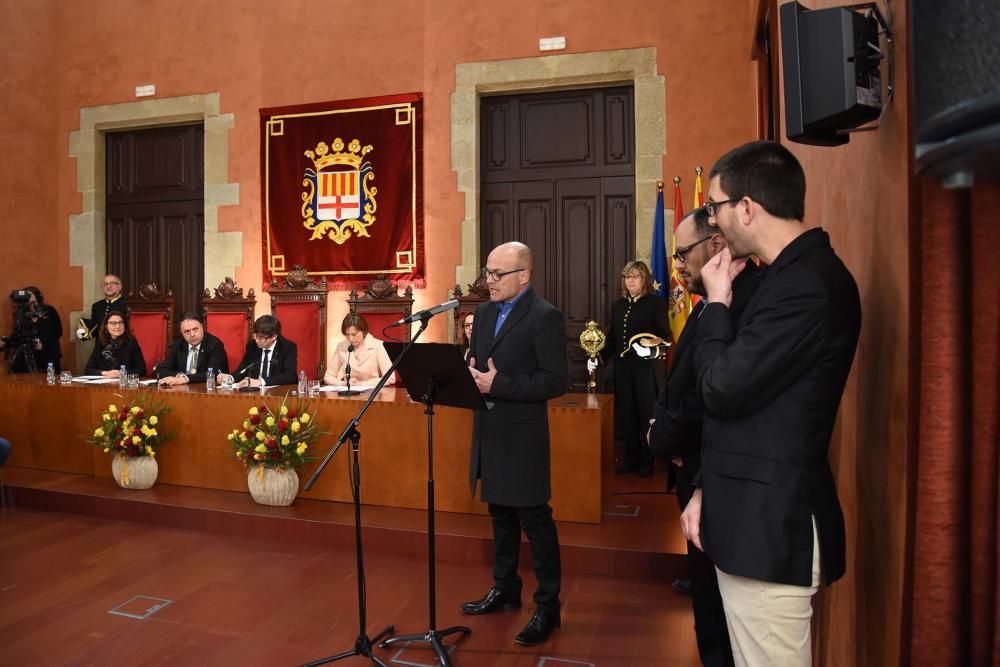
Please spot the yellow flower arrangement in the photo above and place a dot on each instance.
(279, 438)
(131, 429)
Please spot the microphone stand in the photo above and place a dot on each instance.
(363, 645)
(347, 374)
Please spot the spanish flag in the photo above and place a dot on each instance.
(678, 299)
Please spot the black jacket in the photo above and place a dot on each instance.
(679, 410)
(510, 442)
(110, 357)
(212, 354)
(647, 314)
(771, 384)
(283, 363)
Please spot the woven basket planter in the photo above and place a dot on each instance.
(134, 472)
(269, 486)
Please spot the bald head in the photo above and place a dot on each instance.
(512, 262)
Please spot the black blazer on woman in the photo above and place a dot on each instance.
(110, 357)
(647, 314)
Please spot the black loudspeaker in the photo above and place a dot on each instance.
(956, 89)
(831, 60)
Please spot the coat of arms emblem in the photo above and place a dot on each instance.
(339, 200)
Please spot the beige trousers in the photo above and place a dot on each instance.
(769, 624)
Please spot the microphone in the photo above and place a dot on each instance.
(347, 375)
(430, 312)
(246, 369)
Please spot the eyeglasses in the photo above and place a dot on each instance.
(111, 282)
(680, 255)
(116, 324)
(258, 336)
(632, 276)
(495, 276)
(712, 207)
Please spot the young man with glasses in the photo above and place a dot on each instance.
(518, 360)
(771, 382)
(113, 301)
(675, 435)
(269, 360)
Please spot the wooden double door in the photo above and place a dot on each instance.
(155, 211)
(558, 174)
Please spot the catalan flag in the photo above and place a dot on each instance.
(678, 299)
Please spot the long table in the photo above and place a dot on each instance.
(47, 425)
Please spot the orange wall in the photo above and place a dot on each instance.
(860, 194)
(261, 54)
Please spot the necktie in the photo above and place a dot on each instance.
(193, 361)
(264, 370)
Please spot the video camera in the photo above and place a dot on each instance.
(25, 322)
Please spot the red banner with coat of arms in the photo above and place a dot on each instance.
(342, 190)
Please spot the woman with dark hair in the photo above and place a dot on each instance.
(366, 354)
(639, 310)
(47, 327)
(465, 334)
(115, 347)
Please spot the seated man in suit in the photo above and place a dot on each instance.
(270, 358)
(189, 357)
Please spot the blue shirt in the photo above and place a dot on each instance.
(505, 307)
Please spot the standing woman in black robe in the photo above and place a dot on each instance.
(637, 380)
(115, 347)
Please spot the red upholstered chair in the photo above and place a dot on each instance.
(299, 303)
(381, 305)
(229, 317)
(467, 303)
(151, 318)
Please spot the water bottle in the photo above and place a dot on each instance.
(303, 383)
(123, 377)
(210, 381)
(50, 374)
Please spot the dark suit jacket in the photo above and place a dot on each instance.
(283, 363)
(110, 358)
(679, 410)
(771, 384)
(510, 442)
(212, 355)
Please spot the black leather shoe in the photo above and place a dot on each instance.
(683, 586)
(539, 628)
(494, 600)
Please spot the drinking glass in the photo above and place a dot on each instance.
(314, 387)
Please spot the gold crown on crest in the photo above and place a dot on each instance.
(322, 157)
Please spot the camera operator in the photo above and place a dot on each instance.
(34, 344)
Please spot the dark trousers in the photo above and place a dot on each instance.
(709, 615)
(635, 395)
(538, 525)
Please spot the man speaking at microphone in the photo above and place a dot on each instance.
(518, 360)
(270, 358)
(361, 358)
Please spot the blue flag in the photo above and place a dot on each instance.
(658, 255)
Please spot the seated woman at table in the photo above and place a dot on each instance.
(115, 347)
(367, 355)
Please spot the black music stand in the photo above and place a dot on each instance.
(438, 374)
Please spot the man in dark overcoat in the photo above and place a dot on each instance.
(518, 360)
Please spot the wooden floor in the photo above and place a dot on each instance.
(265, 594)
